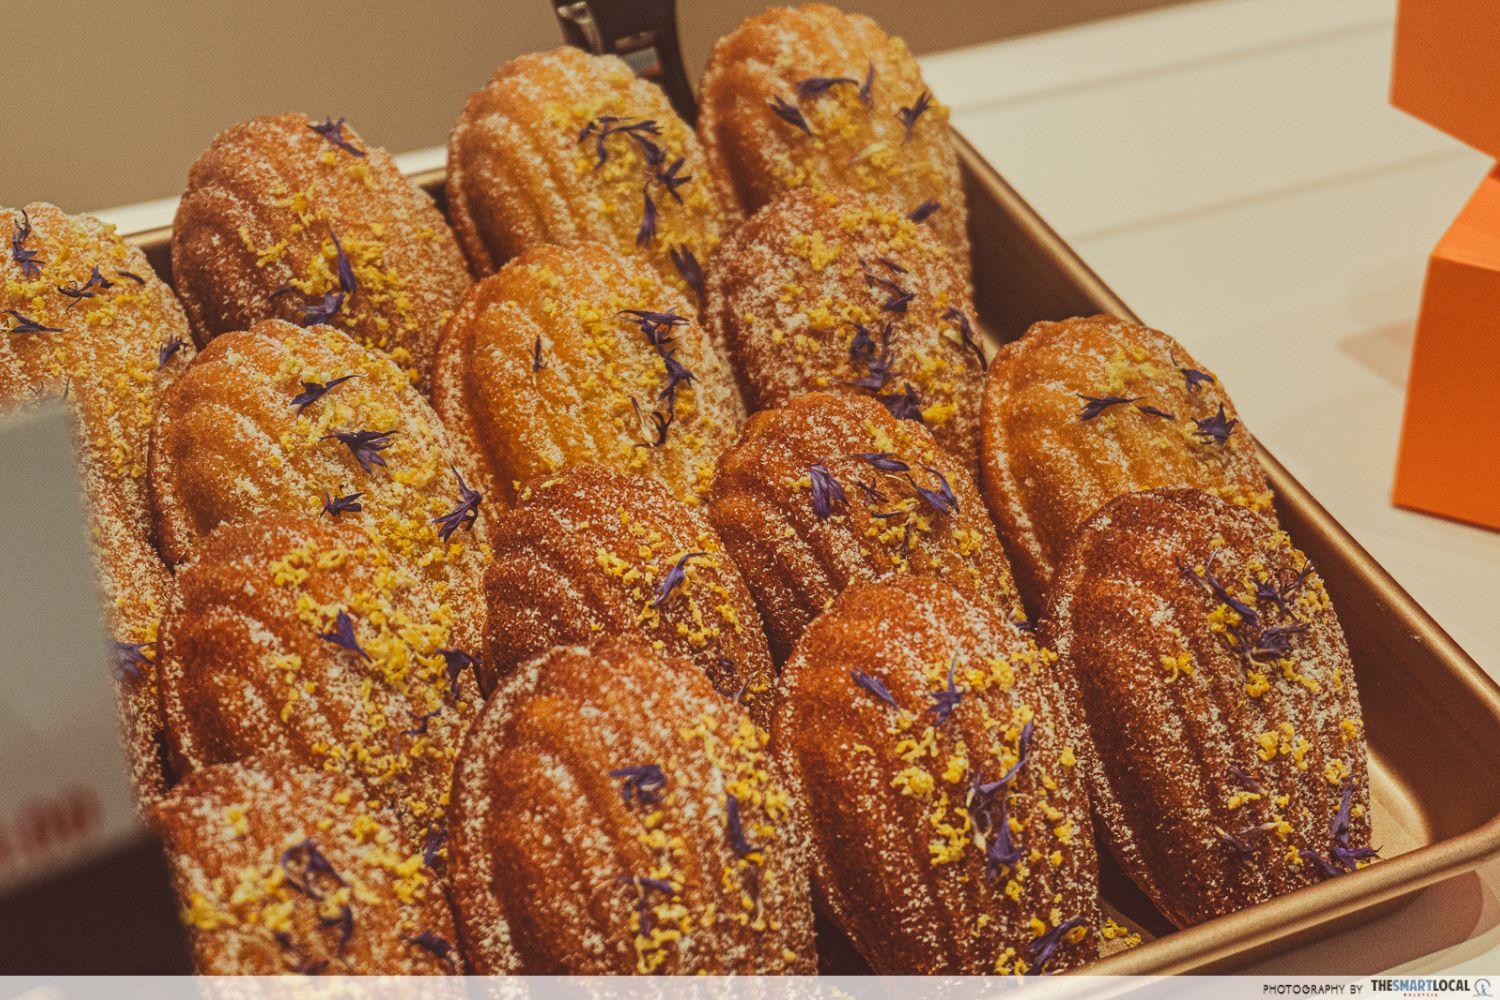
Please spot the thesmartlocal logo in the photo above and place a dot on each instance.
(1431, 987)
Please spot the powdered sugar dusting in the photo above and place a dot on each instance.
(1204, 655)
(271, 211)
(554, 871)
(843, 293)
(796, 562)
(596, 553)
(282, 870)
(523, 167)
(856, 135)
(549, 363)
(1046, 469)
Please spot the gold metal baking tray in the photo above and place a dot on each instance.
(1432, 715)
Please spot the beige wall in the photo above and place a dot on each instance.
(108, 103)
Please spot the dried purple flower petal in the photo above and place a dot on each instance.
(668, 178)
(333, 131)
(1244, 780)
(899, 298)
(1095, 405)
(465, 514)
(647, 232)
(1213, 586)
(432, 843)
(421, 724)
(642, 883)
(24, 324)
(1041, 950)
(815, 85)
(1194, 377)
(659, 424)
(347, 282)
(435, 943)
(875, 686)
(346, 504)
(687, 266)
(1023, 749)
(1276, 642)
(536, 355)
(871, 494)
(366, 446)
(131, 277)
(313, 863)
(909, 115)
(924, 211)
(867, 89)
(457, 662)
(657, 326)
(345, 923)
(863, 353)
(675, 576)
(167, 350)
(642, 783)
(737, 842)
(127, 659)
(790, 113)
(903, 405)
(1003, 851)
(1155, 412)
(31, 265)
(343, 635)
(960, 319)
(941, 500)
(945, 699)
(825, 491)
(883, 460)
(1234, 843)
(1216, 428)
(603, 127)
(1328, 868)
(320, 311)
(314, 391)
(78, 292)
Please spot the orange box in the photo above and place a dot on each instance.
(1447, 68)
(1449, 460)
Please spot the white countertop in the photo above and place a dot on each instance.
(1233, 170)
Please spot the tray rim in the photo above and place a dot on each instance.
(1236, 938)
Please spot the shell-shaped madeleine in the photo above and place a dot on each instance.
(83, 317)
(613, 815)
(932, 745)
(1206, 660)
(282, 870)
(282, 419)
(580, 355)
(1081, 411)
(812, 97)
(823, 291)
(288, 218)
(566, 147)
(307, 640)
(595, 553)
(831, 490)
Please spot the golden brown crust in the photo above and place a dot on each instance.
(230, 444)
(246, 844)
(548, 854)
(905, 819)
(117, 341)
(258, 656)
(1046, 468)
(524, 167)
(841, 292)
(755, 154)
(593, 554)
(542, 368)
(1183, 674)
(268, 208)
(796, 562)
